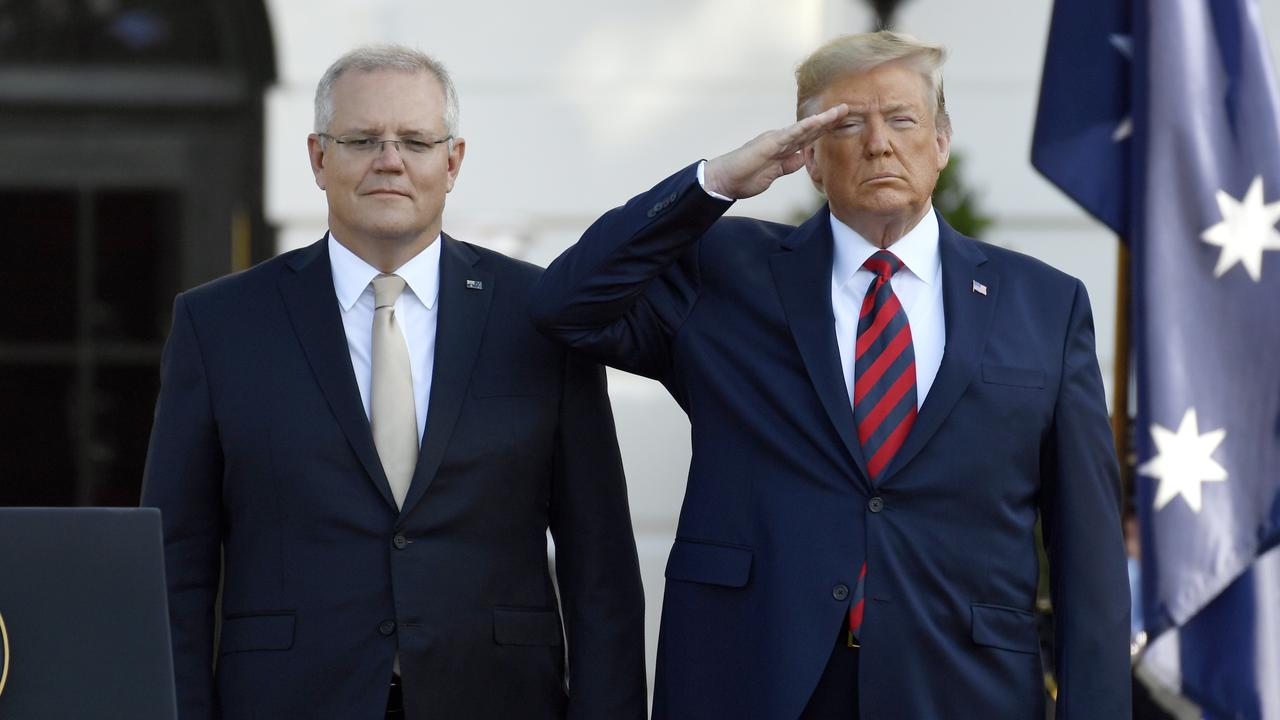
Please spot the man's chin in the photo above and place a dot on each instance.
(393, 233)
(886, 203)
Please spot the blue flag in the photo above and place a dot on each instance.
(1084, 125)
(1193, 170)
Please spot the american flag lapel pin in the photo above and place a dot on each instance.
(475, 285)
(979, 288)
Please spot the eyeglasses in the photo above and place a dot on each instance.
(365, 145)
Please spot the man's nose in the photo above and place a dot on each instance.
(389, 158)
(876, 138)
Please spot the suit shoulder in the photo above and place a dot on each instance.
(257, 279)
(502, 262)
(1022, 266)
(504, 267)
(738, 235)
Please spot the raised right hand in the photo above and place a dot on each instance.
(752, 168)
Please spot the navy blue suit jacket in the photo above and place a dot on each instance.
(262, 454)
(734, 316)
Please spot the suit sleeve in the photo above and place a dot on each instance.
(183, 479)
(621, 293)
(1083, 538)
(596, 564)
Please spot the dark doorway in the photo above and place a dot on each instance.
(130, 132)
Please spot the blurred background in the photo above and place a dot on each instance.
(147, 146)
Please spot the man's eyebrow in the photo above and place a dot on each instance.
(377, 132)
(360, 131)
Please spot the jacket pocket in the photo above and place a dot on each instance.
(240, 633)
(1009, 375)
(1006, 628)
(710, 563)
(526, 626)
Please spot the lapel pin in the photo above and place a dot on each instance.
(477, 285)
(979, 288)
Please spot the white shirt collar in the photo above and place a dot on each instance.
(918, 250)
(351, 274)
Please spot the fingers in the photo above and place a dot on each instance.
(752, 168)
(823, 122)
(804, 132)
(792, 163)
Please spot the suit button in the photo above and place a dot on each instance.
(840, 592)
(400, 541)
(875, 504)
(386, 627)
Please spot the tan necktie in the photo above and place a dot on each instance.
(392, 415)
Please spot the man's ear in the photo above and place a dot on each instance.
(456, 152)
(316, 150)
(944, 150)
(811, 165)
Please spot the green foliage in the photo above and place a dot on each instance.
(958, 203)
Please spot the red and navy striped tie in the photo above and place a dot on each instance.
(884, 387)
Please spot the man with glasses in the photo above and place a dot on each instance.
(367, 441)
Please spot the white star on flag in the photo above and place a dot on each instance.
(1184, 461)
(1247, 229)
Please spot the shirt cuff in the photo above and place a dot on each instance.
(702, 183)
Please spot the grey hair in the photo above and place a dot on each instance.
(853, 54)
(384, 57)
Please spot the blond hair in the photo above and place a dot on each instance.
(853, 54)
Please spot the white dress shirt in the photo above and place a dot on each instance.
(415, 310)
(918, 286)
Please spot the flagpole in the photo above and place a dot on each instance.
(1120, 384)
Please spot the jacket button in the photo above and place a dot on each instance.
(840, 592)
(400, 541)
(875, 504)
(387, 627)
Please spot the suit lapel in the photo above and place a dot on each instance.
(459, 328)
(313, 309)
(968, 320)
(802, 273)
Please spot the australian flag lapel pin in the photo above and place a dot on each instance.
(475, 285)
(979, 288)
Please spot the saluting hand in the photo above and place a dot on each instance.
(752, 168)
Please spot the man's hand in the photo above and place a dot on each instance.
(752, 168)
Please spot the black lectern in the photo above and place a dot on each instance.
(84, 613)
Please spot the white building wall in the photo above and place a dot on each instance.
(570, 108)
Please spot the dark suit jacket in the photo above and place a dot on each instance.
(734, 317)
(262, 452)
